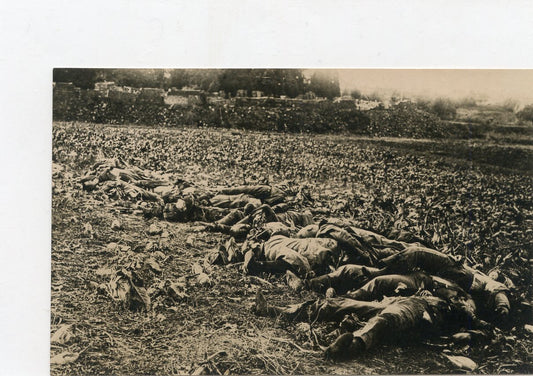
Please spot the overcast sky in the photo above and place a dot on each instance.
(495, 85)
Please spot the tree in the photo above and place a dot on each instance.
(178, 78)
(81, 77)
(510, 105)
(423, 104)
(466, 102)
(137, 77)
(356, 94)
(287, 82)
(203, 79)
(325, 84)
(232, 80)
(275, 82)
(444, 108)
(526, 114)
(374, 97)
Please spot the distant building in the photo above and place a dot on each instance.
(241, 93)
(344, 98)
(309, 95)
(216, 100)
(125, 89)
(103, 87)
(257, 93)
(364, 105)
(176, 100)
(184, 92)
(183, 97)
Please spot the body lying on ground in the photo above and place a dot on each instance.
(233, 201)
(281, 254)
(391, 285)
(302, 256)
(266, 193)
(288, 217)
(343, 279)
(451, 268)
(396, 316)
(237, 221)
(361, 246)
(370, 267)
(371, 238)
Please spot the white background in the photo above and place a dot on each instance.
(37, 36)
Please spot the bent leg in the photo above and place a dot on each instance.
(386, 285)
(231, 218)
(278, 266)
(345, 278)
(336, 308)
(270, 216)
(397, 318)
(320, 310)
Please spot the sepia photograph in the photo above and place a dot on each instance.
(291, 221)
(281, 187)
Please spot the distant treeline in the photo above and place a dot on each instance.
(272, 82)
(264, 114)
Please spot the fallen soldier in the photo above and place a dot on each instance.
(392, 285)
(397, 316)
(188, 209)
(305, 257)
(417, 257)
(243, 231)
(232, 217)
(239, 231)
(116, 169)
(237, 221)
(492, 292)
(351, 281)
(360, 246)
(119, 189)
(331, 309)
(343, 279)
(407, 285)
(233, 201)
(268, 194)
(452, 268)
(240, 222)
(371, 238)
(428, 315)
(172, 194)
(290, 218)
(251, 214)
(268, 229)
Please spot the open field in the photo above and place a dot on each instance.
(462, 197)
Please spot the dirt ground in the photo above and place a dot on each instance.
(481, 211)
